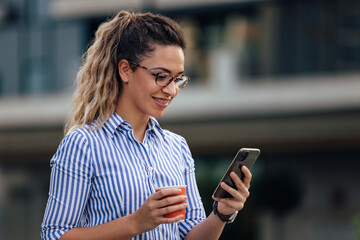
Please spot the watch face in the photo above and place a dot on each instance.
(232, 218)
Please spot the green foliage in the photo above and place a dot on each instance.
(356, 224)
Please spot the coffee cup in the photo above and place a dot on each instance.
(181, 211)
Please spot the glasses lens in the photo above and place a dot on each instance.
(163, 79)
(181, 81)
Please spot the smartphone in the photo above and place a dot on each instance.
(245, 156)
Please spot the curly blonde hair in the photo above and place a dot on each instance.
(130, 36)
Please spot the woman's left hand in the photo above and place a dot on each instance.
(229, 206)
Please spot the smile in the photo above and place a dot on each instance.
(162, 101)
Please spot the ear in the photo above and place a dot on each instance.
(124, 70)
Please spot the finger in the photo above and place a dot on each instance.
(172, 208)
(171, 200)
(233, 192)
(247, 176)
(240, 186)
(242, 189)
(237, 202)
(162, 193)
(236, 179)
(172, 220)
(238, 194)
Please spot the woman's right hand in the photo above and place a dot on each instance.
(151, 213)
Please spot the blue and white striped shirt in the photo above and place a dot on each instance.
(100, 175)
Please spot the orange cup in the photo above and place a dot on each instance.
(179, 212)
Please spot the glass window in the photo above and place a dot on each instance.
(272, 39)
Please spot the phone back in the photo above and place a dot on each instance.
(245, 156)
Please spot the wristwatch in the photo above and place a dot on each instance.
(224, 218)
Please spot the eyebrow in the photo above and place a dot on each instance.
(167, 70)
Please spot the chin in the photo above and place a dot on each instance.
(157, 114)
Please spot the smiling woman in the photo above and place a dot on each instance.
(115, 154)
(141, 94)
(128, 37)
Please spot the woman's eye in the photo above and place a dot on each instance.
(162, 76)
(179, 79)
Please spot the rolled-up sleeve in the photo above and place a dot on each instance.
(70, 185)
(195, 212)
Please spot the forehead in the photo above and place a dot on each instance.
(169, 57)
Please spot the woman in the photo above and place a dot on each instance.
(115, 154)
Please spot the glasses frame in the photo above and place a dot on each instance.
(157, 74)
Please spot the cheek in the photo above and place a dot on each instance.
(149, 87)
(144, 92)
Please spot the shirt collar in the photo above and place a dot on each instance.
(115, 122)
(154, 126)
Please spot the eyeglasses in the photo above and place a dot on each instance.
(163, 79)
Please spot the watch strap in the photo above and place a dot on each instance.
(224, 218)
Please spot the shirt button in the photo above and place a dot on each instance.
(151, 169)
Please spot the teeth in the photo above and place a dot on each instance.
(162, 101)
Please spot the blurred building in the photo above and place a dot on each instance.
(283, 76)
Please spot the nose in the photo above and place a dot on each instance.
(171, 89)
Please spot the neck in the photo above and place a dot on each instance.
(138, 122)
